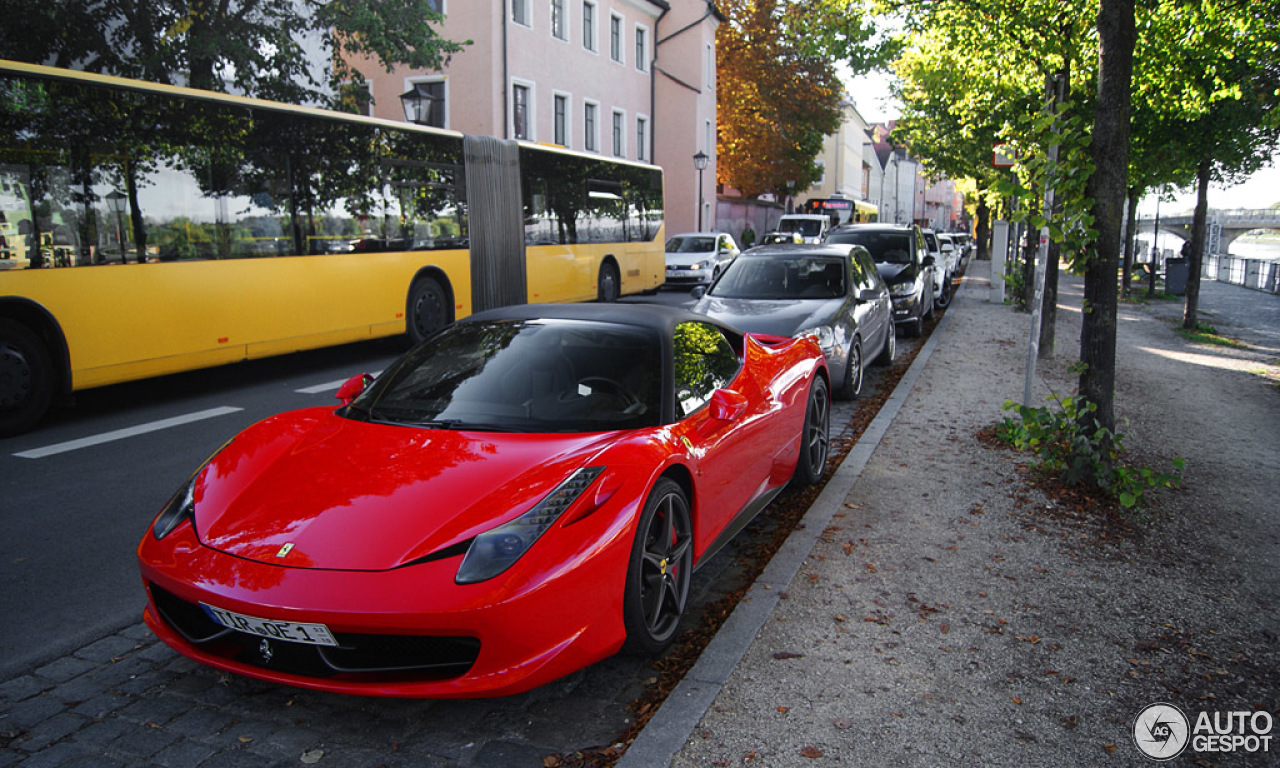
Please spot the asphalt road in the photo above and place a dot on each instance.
(77, 494)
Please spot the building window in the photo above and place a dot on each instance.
(520, 111)
(589, 26)
(619, 133)
(559, 20)
(710, 62)
(591, 131)
(561, 108)
(520, 12)
(709, 139)
(615, 38)
(822, 171)
(642, 49)
(642, 139)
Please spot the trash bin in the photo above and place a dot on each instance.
(1175, 276)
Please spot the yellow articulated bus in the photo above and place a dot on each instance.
(149, 229)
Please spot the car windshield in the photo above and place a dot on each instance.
(528, 376)
(806, 227)
(816, 277)
(885, 247)
(691, 245)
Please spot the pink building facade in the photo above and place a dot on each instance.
(632, 79)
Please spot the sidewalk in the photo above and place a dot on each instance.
(941, 611)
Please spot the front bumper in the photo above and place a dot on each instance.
(906, 308)
(688, 276)
(406, 632)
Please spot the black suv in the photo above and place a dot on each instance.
(903, 260)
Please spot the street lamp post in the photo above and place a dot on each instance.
(700, 162)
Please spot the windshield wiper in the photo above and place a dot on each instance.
(459, 425)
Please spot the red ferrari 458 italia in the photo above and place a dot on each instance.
(522, 494)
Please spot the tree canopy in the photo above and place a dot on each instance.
(289, 50)
(778, 88)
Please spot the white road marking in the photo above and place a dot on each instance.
(121, 434)
(328, 386)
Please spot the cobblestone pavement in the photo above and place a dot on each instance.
(128, 700)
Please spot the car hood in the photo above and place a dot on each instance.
(896, 273)
(350, 495)
(781, 317)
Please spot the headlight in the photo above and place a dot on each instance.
(902, 289)
(181, 507)
(696, 265)
(823, 335)
(183, 504)
(496, 550)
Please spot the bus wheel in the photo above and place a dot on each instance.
(608, 284)
(428, 309)
(26, 378)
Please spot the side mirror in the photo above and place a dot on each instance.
(868, 294)
(727, 405)
(698, 292)
(927, 261)
(353, 387)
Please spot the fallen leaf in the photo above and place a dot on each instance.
(780, 655)
(246, 739)
(784, 710)
(945, 628)
(1109, 747)
(1017, 700)
(811, 752)
(312, 756)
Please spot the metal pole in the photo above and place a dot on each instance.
(700, 203)
(1042, 254)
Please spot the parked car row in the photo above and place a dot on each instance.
(849, 292)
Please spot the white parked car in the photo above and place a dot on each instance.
(941, 272)
(698, 258)
(812, 227)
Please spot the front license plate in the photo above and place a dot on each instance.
(290, 631)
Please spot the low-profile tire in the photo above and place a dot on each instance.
(851, 387)
(608, 283)
(942, 301)
(659, 571)
(815, 436)
(890, 349)
(428, 309)
(26, 378)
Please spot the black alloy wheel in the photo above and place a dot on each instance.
(428, 309)
(660, 569)
(852, 385)
(26, 378)
(608, 284)
(815, 438)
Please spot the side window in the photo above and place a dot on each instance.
(704, 362)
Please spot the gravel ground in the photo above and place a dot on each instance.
(955, 613)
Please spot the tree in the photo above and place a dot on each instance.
(258, 47)
(1216, 92)
(1117, 36)
(778, 91)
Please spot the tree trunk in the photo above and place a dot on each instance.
(983, 231)
(1110, 153)
(1198, 222)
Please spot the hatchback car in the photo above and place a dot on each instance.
(833, 294)
(697, 258)
(903, 260)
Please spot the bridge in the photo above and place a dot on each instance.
(1223, 226)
